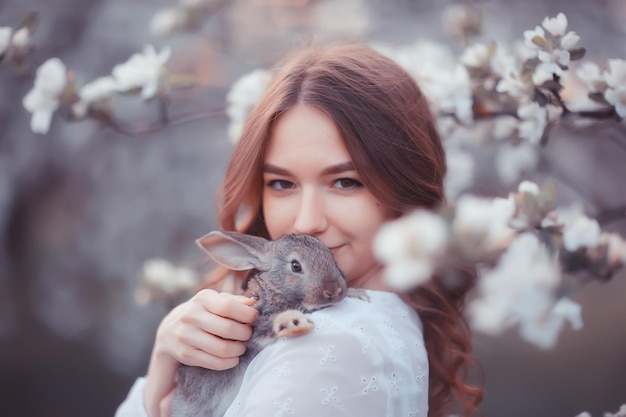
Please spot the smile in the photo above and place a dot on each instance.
(335, 249)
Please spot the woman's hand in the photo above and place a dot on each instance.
(209, 330)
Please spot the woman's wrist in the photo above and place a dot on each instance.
(160, 380)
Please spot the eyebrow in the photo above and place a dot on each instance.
(331, 170)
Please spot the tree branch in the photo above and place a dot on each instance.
(611, 215)
(107, 119)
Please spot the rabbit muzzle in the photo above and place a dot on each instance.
(333, 292)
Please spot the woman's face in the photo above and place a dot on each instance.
(311, 186)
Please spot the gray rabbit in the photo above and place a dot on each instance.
(290, 276)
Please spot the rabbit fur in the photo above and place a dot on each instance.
(290, 276)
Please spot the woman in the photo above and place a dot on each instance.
(341, 142)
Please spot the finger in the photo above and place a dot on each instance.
(197, 340)
(224, 327)
(203, 359)
(245, 300)
(226, 305)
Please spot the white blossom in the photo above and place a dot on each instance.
(618, 99)
(556, 25)
(483, 223)
(168, 20)
(99, 89)
(519, 290)
(502, 61)
(476, 56)
(620, 413)
(615, 76)
(504, 127)
(533, 37)
(487, 315)
(562, 216)
(544, 330)
(535, 118)
(5, 38)
(450, 91)
(528, 187)
(553, 49)
(570, 310)
(17, 40)
(530, 205)
(96, 91)
(410, 246)
(513, 160)
(570, 40)
(534, 121)
(578, 230)
(616, 248)
(523, 52)
(43, 99)
(553, 112)
(581, 232)
(543, 72)
(502, 64)
(512, 83)
(589, 73)
(576, 93)
(423, 59)
(21, 38)
(162, 275)
(461, 169)
(142, 70)
(458, 19)
(554, 59)
(242, 96)
(447, 90)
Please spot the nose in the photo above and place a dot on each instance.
(311, 216)
(333, 291)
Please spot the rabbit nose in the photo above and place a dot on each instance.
(332, 292)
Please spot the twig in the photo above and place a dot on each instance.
(107, 119)
(610, 215)
(608, 113)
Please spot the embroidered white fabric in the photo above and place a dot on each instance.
(362, 358)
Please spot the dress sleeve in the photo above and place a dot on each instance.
(328, 374)
(337, 371)
(133, 404)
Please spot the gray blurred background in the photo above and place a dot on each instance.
(83, 207)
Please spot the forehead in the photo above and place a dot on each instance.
(305, 131)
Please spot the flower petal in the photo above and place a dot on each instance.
(557, 25)
(40, 121)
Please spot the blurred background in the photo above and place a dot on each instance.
(83, 207)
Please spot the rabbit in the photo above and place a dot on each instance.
(290, 277)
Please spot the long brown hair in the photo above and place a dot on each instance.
(390, 134)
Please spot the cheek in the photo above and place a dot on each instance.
(362, 219)
(276, 217)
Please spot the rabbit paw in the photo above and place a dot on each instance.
(291, 323)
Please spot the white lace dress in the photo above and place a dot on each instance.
(362, 359)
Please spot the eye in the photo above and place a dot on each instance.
(280, 185)
(347, 183)
(295, 266)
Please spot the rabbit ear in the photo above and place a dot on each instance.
(234, 250)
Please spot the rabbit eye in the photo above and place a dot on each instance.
(295, 266)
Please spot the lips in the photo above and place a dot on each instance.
(334, 249)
